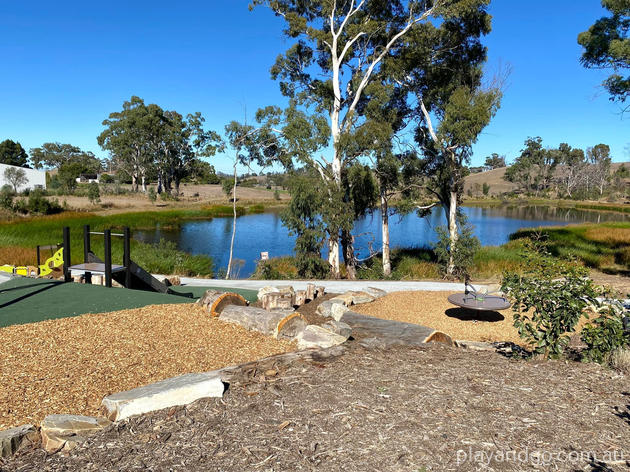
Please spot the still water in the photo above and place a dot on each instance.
(265, 232)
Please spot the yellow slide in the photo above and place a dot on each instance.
(45, 269)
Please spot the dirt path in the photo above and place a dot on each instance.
(433, 408)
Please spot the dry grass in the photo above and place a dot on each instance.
(69, 365)
(432, 309)
(620, 361)
(608, 235)
(20, 256)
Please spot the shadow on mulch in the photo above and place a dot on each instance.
(464, 314)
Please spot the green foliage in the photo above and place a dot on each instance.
(165, 258)
(276, 195)
(152, 195)
(12, 153)
(38, 204)
(277, 268)
(486, 189)
(16, 177)
(228, 186)
(54, 155)
(462, 252)
(495, 161)
(605, 333)
(302, 218)
(107, 179)
(549, 299)
(6, 197)
(68, 174)
(606, 45)
(94, 194)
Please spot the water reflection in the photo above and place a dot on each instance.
(264, 232)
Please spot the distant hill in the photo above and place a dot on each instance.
(498, 186)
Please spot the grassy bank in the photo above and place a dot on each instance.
(578, 205)
(605, 247)
(18, 238)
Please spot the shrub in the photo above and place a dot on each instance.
(549, 298)
(40, 205)
(94, 194)
(151, 195)
(276, 195)
(6, 197)
(620, 361)
(463, 251)
(605, 334)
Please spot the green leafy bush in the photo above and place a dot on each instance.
(549, 298)
(605, 334)
(6, 197)
(94, 194)
(463, 251)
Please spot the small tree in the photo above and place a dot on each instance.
(549, 299)
(460, 253)
(152, 195)
(228, 186)
(94, 194)
(485, 189)
(16, 177)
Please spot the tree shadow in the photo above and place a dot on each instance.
(621, 413)
(465, 314)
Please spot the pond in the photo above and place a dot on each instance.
(265, 232)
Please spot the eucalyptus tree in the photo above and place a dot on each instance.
(339, 48)
(600, 163)
(55, 155)
(495, 161)
(573, 167)
(128, 136)
(607, 46)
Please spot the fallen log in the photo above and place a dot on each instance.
(215, 302)
(280, 324)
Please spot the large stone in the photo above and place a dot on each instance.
(345, 298)
(317, 337)
(361, 297)
(66, 431)
(331, 309)
(375, 292)
(12, 439)
(338, 327)
(175, 391)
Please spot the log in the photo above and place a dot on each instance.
(300, 298)
(320, 291)
(310, 292)
(271, 323)
(277, 300)
(215, 302)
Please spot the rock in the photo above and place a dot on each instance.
(361, 297)
(331, 309)
(345, 298)
(175, 391)
(66, 431)
(317, 337)
(163, 279)
(300, 298)
(338, 327)
(375, 292)
(215, 301)
(174, 280)
(12, 439)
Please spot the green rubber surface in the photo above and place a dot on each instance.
(25, 300)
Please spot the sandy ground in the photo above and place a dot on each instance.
(402, 410)
(432, 309)
(69, 365)
(191, 195)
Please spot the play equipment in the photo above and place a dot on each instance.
(40, 270)
(128, 274)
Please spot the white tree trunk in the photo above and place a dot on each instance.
(452, 232)
(229, 267)
(387, 264)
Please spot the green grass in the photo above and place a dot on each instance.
(25, 300)
(604, 246)
(161, 258)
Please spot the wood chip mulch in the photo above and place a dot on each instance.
(432, 309)
(68, 365)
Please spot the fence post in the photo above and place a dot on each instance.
(127, 256)
(66, 254)
(108, 257)
(87, 276)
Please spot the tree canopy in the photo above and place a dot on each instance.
(607, 46)
(13, 154)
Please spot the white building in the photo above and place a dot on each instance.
(35, 178)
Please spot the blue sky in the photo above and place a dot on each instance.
(66, 65)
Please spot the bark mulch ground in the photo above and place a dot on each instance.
(404, 409)
(432, 309)
(68, 365)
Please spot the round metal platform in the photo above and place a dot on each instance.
(479, 302)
